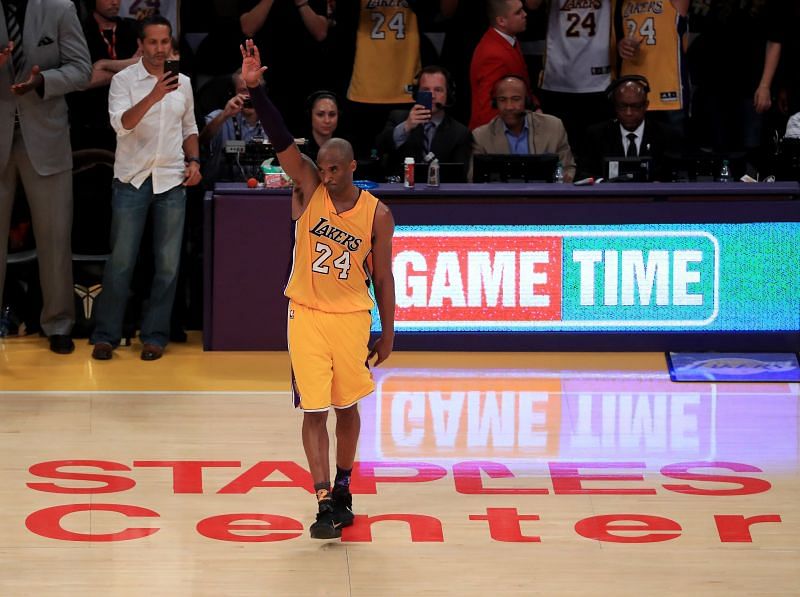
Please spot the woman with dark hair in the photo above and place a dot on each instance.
(323, 111)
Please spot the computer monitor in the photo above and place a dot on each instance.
(448, 172)
(495, 167)
(618, 169)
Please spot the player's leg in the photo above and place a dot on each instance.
(351, 382)
(312, 378)
(348, 429)
(316, 445)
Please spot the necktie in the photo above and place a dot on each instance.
(631, 153)
(429, 129)
(15, 35)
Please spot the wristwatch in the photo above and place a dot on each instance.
(192, 159)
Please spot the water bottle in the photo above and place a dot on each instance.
(433, 173)
(558, 176)
(724, 172)
(408, 173)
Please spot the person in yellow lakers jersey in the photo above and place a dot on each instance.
(649, 42)
(339, 230)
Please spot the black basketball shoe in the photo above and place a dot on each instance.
(342, 507)
(325, 526)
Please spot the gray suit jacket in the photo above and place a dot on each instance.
(549, 136)
(52, 39)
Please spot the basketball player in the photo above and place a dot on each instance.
(338, 228)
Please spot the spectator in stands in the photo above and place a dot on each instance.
(577, 68)
(734, 59)
(649, 40)
(237, 121)
(301, 25)
(630, 134)
(426, 134)
(157, 157)
(387, 57)
(323, 114)
(45, 58)
(112, 47)
(497, 54)
(519, 130)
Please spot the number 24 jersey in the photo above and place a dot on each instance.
(329, 271)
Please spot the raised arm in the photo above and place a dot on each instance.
(304, 175)
(253, 20)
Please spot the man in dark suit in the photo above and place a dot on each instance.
(424, 133)
(630, 134)
(43, 56)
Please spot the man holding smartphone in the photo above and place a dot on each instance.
(426, 131)
(237, 121)
(151, 108)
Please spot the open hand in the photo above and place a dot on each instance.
(251, 64)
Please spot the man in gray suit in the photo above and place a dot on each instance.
(518, 130)
(43, 56)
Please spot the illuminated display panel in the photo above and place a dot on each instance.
(622, 277)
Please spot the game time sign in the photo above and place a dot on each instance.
(644, 277)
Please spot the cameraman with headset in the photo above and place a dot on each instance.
(426, 131)
(236, 121)
(630, 135)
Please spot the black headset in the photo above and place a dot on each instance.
(432, 70)
(617, 83)
(318, 95)
(528, 102)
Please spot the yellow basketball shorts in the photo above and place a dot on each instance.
(329, 355)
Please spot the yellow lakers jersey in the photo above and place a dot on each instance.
(387, 53)
(655, 23)
(330, 250)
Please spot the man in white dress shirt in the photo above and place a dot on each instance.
(152, 113)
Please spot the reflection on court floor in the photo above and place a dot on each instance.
(470, 481)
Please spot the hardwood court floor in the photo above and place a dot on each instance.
(186, 477)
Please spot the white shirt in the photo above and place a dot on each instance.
(639, 132)
(154, 147)
(509, 38)
(793, 127)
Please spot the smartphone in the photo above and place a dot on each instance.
(247, 102)
(425, 98)
(172, 66)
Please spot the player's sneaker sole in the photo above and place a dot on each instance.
(325, 531)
